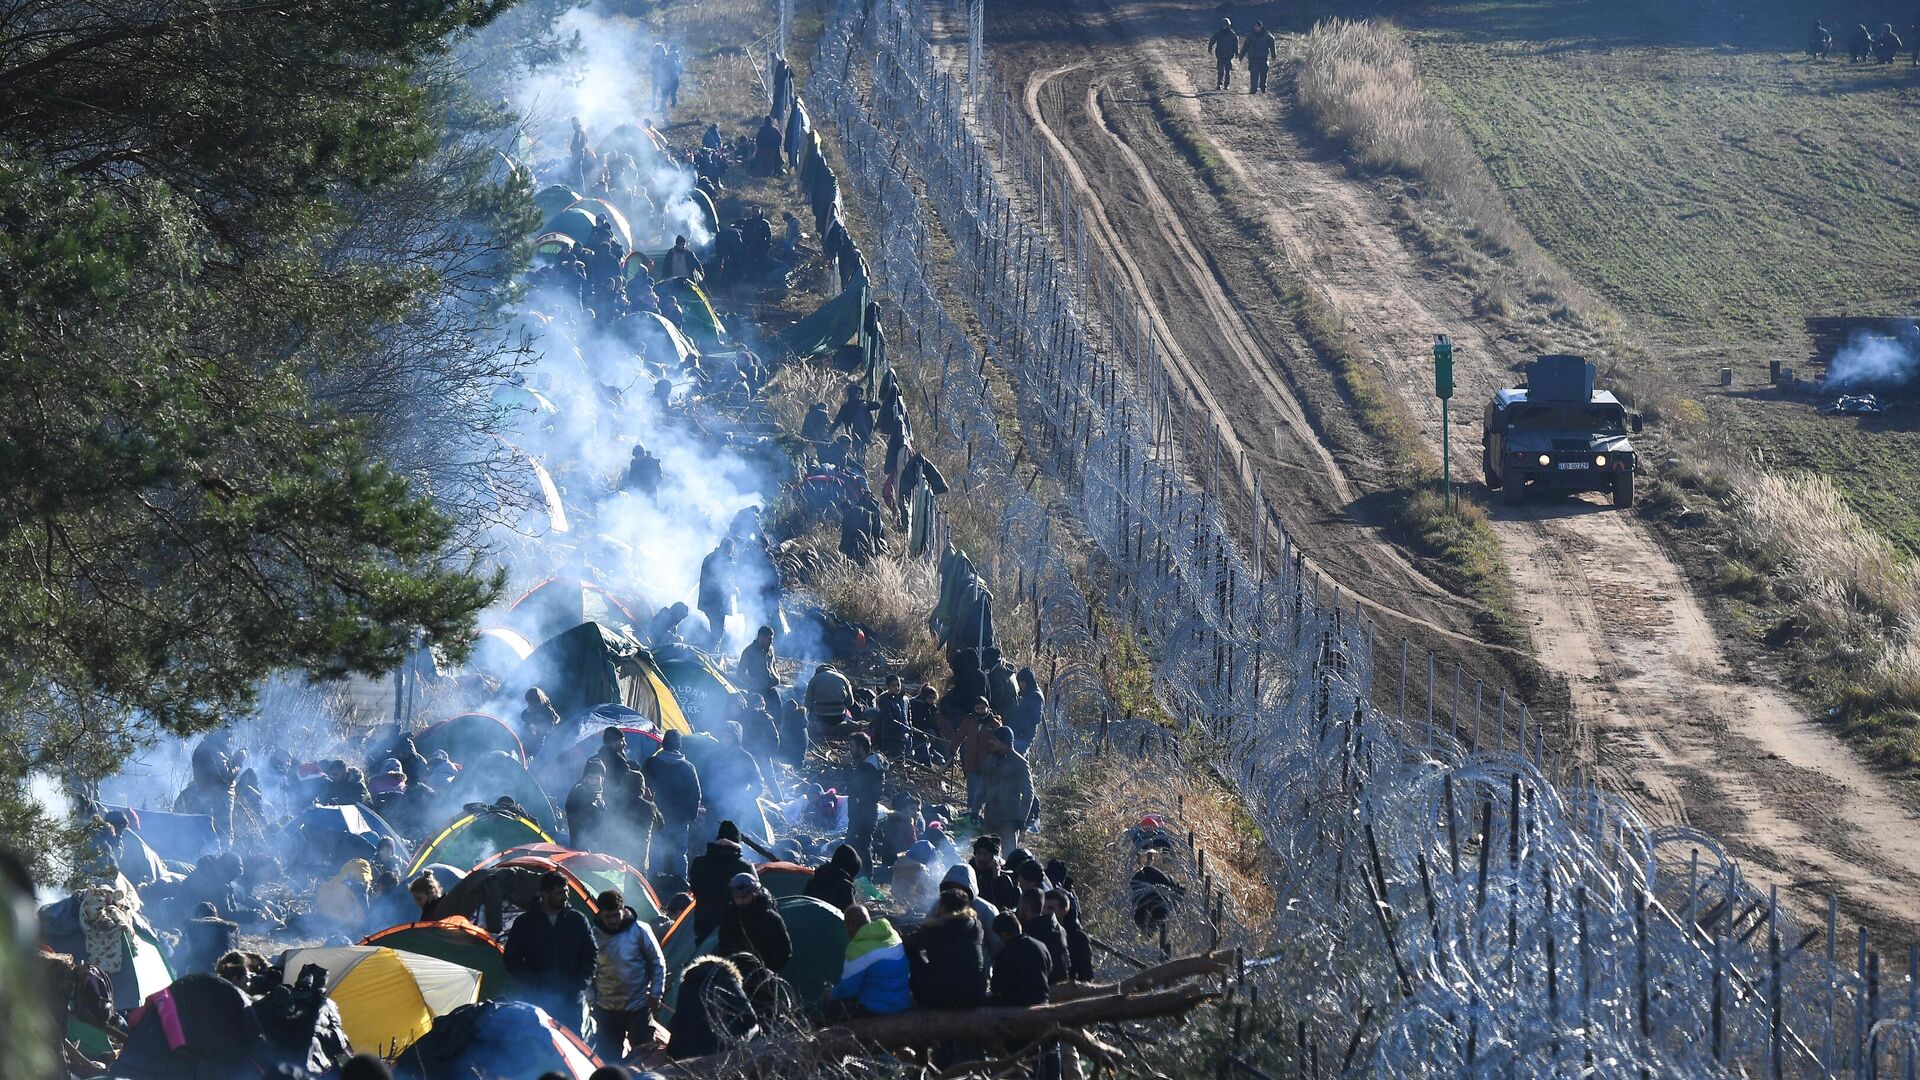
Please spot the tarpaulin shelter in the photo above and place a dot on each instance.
(699, 686)
(500, 1040)
(593, 664)
(478, 832)
(833, 324)
(697, 317)
(388, 998)
(641, 738)
(177, 837)
(457, 941)
(335, 834)
(588, 874)
(469, 736)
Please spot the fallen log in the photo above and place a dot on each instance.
(1187, 967)
(921, 1028)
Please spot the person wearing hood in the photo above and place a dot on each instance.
(712, 1010)
(710, 879)
(752, 923)
(441, 769)
(676, 792)
(411, 761)
(629, 979)
(1006, 789)
(587, 807)
(1060, 904)
(539, 720)
(947, 956)
(915, 880)
(205, 938)
(863, 795)
(961, 878)
(996, 884)
(899, 830)
(833, 882)
(755, 671)
(1029, 709)
(387, 785)
(829, 698)
(974, 746)
(717, 590)
(875, 974)
(551, 953)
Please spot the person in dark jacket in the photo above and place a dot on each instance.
(712, 1010)
(947, 956)
(752, 923)
(587, 807)
(676, 793)
(833, 882)
(759, 734)
(710, 878)
(892, 732)
(1258, 50)
(1029, 709)
(1023, 970)
(1060, 905)
(1045, 928)
(997, 886)
(717, 589)
(1224, 44)
(863, 795)
(206, 937)
(550, 953)
(731, 779)
(755, 671)
(923, 712)
(856, 415)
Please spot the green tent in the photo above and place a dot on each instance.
(475, 835)
(819, 932)
(697, 318)
(494, 774)
(708, 215)
(554, 198)
(592, 664)
(833, 324)
(784, 879)
(700, 688)
(457, 941)
(469, 736)
(575, 221)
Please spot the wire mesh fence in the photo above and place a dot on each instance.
(1450, 900)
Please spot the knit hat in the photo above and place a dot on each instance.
(729, 831)
(744, 883)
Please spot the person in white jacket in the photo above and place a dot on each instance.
(629, 980)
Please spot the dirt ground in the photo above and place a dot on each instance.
(1659, 711)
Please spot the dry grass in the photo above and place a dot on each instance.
(797, 386)
(892, 595)
(1359, 84)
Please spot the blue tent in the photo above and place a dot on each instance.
(339, 833)
(178, 837)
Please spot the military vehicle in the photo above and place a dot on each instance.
(1557, 433)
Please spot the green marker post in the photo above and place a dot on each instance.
(1443, 389)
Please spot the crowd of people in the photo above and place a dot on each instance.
(913, 807)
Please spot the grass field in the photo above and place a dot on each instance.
(1707, 180)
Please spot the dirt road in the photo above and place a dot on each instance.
(1658, 711)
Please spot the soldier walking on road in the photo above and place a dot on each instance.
(1223, 44)
(1259, 50)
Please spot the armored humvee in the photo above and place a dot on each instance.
(1557, 433)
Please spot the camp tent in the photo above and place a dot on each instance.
(784, 879)
(331, 835)
(576, 222)
(143, 964)
(558, 604)
(698, 685)
(607, 212)
(704, 210)
(647, 147)
(498, 650)
(501, 1040)
(588, 874)
(697, 317)
(659, 340)
(592, 664)
(554, 198)
(819, 932)
(388, 998)
(457, 941)
(478, 832)
(469, 736)
(556, 246)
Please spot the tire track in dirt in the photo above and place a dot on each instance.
(1660, 713)
(1242, 346)
(1657, 702)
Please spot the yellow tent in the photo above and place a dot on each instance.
(388, 998)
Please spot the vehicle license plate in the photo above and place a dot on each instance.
(1576, 465)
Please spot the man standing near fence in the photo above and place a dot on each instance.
(1259, 51)
(1223, 44)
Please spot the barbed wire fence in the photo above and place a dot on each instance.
(1450, 901)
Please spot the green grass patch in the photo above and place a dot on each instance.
(1192, 145)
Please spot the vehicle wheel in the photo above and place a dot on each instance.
(1514, 492)
(1623, 491)
(1493, 478)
